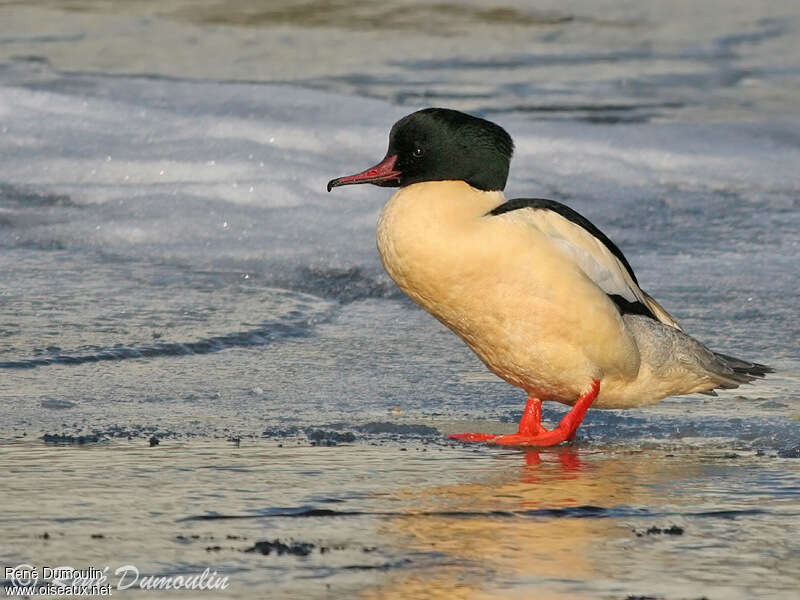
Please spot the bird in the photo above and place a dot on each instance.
(543, 297)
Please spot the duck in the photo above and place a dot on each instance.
(538, 292)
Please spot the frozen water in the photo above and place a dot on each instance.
(173, 268)
(146, 218)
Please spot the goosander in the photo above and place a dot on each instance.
(544, 298)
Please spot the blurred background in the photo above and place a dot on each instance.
(601, 61)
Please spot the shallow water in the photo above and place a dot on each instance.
(416, 518)
(174, 273)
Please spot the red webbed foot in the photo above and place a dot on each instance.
(531, 432)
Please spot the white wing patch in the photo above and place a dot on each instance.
(592, 256)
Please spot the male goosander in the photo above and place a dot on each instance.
(545, 299)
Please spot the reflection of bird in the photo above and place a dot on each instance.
(541, 295)
(528, 530)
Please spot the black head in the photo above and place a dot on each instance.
(438, 144)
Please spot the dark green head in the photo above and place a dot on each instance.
(438, 144)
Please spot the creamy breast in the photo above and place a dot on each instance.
(527, 311)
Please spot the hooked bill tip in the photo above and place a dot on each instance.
(380, 174)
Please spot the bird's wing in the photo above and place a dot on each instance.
(589, 248)
(658, 310)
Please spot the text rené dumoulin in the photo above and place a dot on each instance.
(127, 576)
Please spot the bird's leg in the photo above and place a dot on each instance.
(564, 432)
(531, 432)
(529, 424)
(531, 421)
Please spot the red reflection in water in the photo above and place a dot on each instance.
(564, 463)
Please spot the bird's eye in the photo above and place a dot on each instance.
(417, 152)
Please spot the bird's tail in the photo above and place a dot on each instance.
(735, 371)
(743, 370)
(672, 353)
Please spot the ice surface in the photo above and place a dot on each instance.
(172, 268)
(147, 217)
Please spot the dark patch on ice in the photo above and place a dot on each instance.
(343, 432)
(26, 58)
(435, 17)
(302, 549)
(632, 112)
(133, 431)
(281, 432)
(54, 438)
(58, 404)
(727, 514)
(608, 119)
(523, 61)
(323, 437)
(26, 196)
(130, 432)
(42, 39)
(280, 548)
(569, 512)
(343, 284)
(299, 512)
(793, 452)
(770, 28)
(381, 567)
(671, 530)
(154, 441)
(398, 428)
(415, 96)
(773, 404)
(265, 334)
(44, 245)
